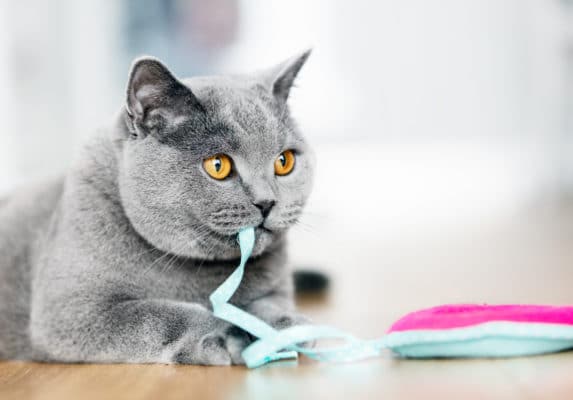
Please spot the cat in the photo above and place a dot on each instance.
(114, 261)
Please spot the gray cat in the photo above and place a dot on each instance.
(115, 261)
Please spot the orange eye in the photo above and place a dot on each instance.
(284, 163)
(218, 166)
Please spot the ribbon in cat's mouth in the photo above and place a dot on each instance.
(273, 344)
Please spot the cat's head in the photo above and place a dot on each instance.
(203, 157)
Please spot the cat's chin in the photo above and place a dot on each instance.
(220, 246)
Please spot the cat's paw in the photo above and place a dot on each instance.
(292, 319)
(220, 347)
(287, 320)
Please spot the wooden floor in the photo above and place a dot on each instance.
(527, 258)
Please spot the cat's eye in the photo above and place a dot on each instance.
(218, 166)
(284, 164)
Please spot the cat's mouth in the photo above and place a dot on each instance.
(261, 228)
(224, 245)
(261, 231)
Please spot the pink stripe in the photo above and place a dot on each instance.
(460, 315)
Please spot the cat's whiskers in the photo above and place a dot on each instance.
(154, 263)
(305, 227)
(174, 252)
(173, 260)
(170, 263)
(211, 248)
(151, 249)
(315, 215)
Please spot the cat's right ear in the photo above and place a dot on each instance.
(155, 97)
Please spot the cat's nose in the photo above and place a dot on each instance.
(265, 206)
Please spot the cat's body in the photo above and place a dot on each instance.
(115, 262)
(25, 216)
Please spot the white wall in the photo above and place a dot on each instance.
(7, 172)
(441, 70)
(461, 88)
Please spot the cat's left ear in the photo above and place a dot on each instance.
(155, 98)
(280, 78)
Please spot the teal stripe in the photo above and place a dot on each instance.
(490, 339)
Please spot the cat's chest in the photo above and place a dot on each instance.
(193, 281)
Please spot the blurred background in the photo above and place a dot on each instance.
(434, 122)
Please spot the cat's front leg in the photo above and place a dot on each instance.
(140, 331)
(277, 311)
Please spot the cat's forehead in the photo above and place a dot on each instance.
(233, 98)
(240, 116)
(223, 89)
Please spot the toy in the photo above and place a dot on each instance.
(469, 330)
(447, 331)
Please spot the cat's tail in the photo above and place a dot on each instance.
(307, 281)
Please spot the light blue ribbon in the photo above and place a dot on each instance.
(277, 345)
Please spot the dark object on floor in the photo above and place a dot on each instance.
(308, 281)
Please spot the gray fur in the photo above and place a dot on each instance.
(115, 262)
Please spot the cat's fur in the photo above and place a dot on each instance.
(115, 261)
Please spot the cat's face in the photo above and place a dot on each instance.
(205, 157)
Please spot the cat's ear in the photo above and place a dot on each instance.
(155, 96)
(280, 78)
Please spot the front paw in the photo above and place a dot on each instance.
(223, 346)
(293, 319)
(287, 320)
